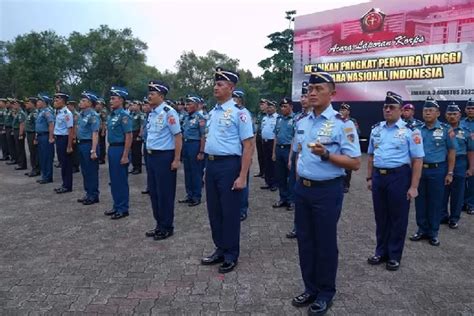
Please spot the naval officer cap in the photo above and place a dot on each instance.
(238, 94)
(226, 75)
(470, 103)
(319, 76)
(158, 86)
(431, 103)
(393, 98)
(119, 92)
(304, 87)
(453, 107)
(89, 96)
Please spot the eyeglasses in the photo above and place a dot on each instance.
(390, 107)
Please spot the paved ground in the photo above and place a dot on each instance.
(59, 257)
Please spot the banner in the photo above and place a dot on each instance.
(414, 48)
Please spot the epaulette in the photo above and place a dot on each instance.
(167, 108)
(238, 106)
(410, 126)
(339, 117)
(375, 125)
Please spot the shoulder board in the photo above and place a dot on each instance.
(339, 117)
(375, 125)
(238, 106)
(167, 108)
(411, 127)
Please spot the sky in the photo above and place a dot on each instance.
(238, 29)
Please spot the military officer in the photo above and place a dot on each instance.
(30, 125)
(138, 121)
(87, 140)
(44, 128)
(345, 111)
(64, 134)
(268, 138)
(119, 136)
(146, 112)
(393, 174)
(284, 131)
(18, 126)
(295, 149)
(163, 144)
(438, 170)
(180, 108)
(3, 135)
(408, 115)
(229, 146)
(101, 109)
(193, 127)
(9, 132)
(258, 136)
(329, 146)
(76, 161)
(454, 193)
(468, 123)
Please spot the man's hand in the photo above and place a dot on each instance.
(200, 156)
(317, 148)
(35, 142)
(469, 172)
(69, 149)
(274, 157)
(369, 185)
(412, 193)
(175, 165)
(448, 179)
(20, 137)
(124, 160)
(51, 140)
(94, 156)
(239, 184)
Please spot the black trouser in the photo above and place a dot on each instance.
(11, 143)
(3, 142)
(136, 151)
(269, 163)
(101, 147)
(33, 148)
(260, 156)
(347, 179)
(20, 148)
(76, 158)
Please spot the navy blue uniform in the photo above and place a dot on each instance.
(284, 131)
(45, 148)
(468, 123)
(118, 125)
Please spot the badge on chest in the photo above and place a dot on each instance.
(325, 132)
(438, 133)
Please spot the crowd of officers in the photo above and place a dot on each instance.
(307, 157)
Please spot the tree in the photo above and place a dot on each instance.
(34, 62)
(278, 67)
(103, 57)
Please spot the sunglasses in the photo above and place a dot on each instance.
(390, 107)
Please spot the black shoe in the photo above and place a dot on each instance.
(243, 217)
(82, 199)
(291, 235)
(418, 237)
(58, 165)
(258, 175)
(290, 207)
(227, 266)
(375, 260)
(146, 191)
(162, 235)
(319, 308)
(119, 215)
(33, 174)
(44, 181)
(11, 163)
(212, 259)
(27, 173)
(470, 210)
(273, 189)
(453, 225)
(90, 201)
(280, 204)
(101, 162)
(444, 221)
(186, 200)
(303, 300)
(136, 171)
(151, 233)
(392, 265)
(76, 170)
(194, 203)
(110, 212)
(265, 187)
(346, 190)
(3, 159)
(62, 190)
(20, 168)
(434, 241)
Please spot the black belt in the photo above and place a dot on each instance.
(432, 165)
(385, 171)
(83, 141)
(283, 146)
(313, 183)
(117, 144)
(156, 151)
(216, 157)
(30, 132)
(42, 133)
(267, 140)
(60, 136)
(191, 140)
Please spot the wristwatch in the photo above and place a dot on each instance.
(325, 156)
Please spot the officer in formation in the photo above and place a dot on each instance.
(263, 104)
(345, 111)
(181, 109)
(238, 97)
(119, 136)
(194, 125)
(72, 107)
(9, 132)
(163, 144)
(408, 115)
(393, 174)
(464, 167)
(18, 126)
(146, 111)
(44, 128)
(329, 145)
(296, 149)
(87, 145)
(268, 139)
(30, 125)
(138, 122)
(438, 170)
(3, 135)
(283, 135)
(468, 123)
(64, 135)
(101, 109)
(229, 146)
